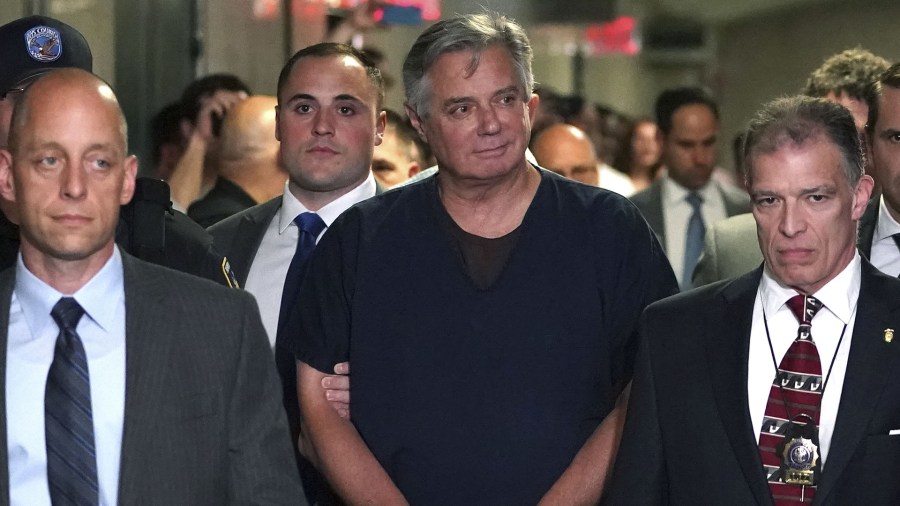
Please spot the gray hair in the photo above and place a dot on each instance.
(800, 120)
(474, 32)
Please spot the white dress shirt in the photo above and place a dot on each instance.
(839, 297)
(677, 213)
(613, 180)
(279, 243)
(885, 254)
(30, 346)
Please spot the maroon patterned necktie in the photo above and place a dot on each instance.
(797, 390)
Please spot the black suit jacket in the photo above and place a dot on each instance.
(649, 202)
(688, 437)
(203, 424)
(223, 200)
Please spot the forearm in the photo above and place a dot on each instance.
(584, 480)
(337, 448)
(187, 176)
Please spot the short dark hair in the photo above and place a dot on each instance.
(164, 129)
(672, 99)
(850, 71)
(799, 120)
(324, 49)
(193, 94)
(889, 78)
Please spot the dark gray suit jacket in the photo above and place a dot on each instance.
(688, 437)
(649, 202)
(203, 424)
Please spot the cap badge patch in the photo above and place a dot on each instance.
(44, 43)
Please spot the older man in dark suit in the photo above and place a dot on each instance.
(707, 423)
(134, 383)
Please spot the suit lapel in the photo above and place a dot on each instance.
(654, 212)
(867, 227)
(727, 356)
(248, 236)
(146, 320)
(7, 282)
(868, 368)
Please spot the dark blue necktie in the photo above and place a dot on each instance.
(693, 245)
(68, 422)
(310, 225)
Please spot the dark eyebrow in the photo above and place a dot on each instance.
(456, 100)
(346, 97)
(509, 89)
(301, 96)
(763, 193)
(821, 189)
(889, 132)
(461, 100)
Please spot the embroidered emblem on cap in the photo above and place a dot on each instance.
(44, 43)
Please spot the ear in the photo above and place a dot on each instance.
(533, 106)
(861, 196)
(414, 169)
(131, 167)
(277, 123)
(7, 183)
(380, 124)
(415, 121)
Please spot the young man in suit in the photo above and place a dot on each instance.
(159, 385)
(680, 205)
(739, 396)
(329, 121)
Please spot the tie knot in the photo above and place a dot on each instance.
(804, 307)
(311, 223)
(695, 200)
(66, 313)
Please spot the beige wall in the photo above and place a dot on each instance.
(763, 58)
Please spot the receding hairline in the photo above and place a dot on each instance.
(564, 132)
(71, 80)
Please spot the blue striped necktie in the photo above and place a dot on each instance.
(693, 245)
(68, 422)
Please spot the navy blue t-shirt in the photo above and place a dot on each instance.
(481, 396)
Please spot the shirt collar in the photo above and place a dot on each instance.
(885, 226)
(291, 207)
(838, 295)
(674, 193)
(99, 297)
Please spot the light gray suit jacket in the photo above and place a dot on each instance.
(203, 420)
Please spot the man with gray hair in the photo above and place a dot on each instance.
(790, 396)
(470, 400)
(843, 78)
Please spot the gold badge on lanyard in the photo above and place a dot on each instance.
(799, 457)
